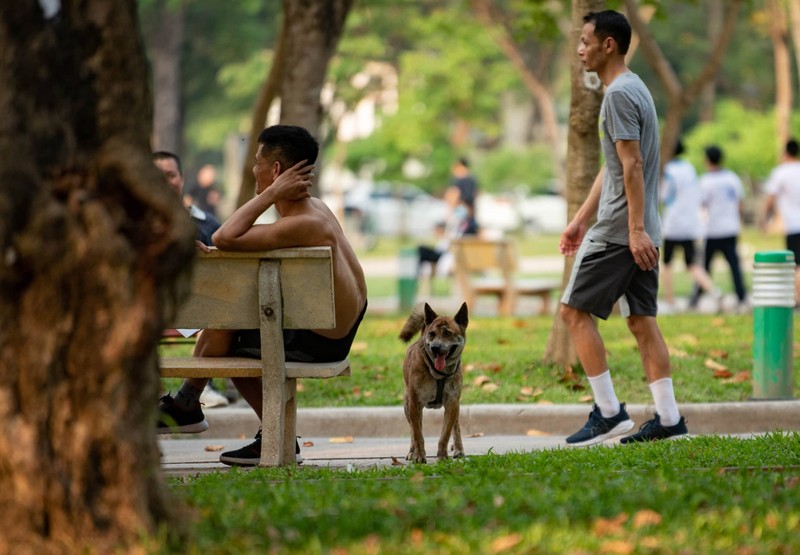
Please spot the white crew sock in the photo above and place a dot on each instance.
(604, 396)
(664, 397)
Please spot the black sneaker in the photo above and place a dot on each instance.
(652, 430)
(250, 455)
(598, 428)
(173, 419)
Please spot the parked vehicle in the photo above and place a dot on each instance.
(393, 209)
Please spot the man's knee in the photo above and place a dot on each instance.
(641, 325)
(571, 315)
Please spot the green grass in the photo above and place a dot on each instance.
(502, 363)
(700, 495)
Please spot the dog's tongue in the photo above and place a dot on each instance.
(440, 363)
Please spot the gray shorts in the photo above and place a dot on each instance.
(605, 273)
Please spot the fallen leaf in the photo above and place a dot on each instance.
(476, 434)
(536, 433)
(714, 365)
(308, 444)
(300, 387)
(677, 353)
(480, 380)
(544, 402)
(490, 387)
(740, 377)
(718, 353)
(215, 447)
(469, 368)
(722, 373)
(617, 547)
(585, 398)
(358, 346)
(519, 324)
(650, 542)
(608, 526)
(502, 341)
(396, 462)
(687, 339)
(646, 517)
(577, 387)
(356, 390)
(504, 543)
(344, 439)
(526, 391)
(368, 394)
(417, 536)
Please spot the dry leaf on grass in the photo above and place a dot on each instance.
(396, 462)
(343, 439)
(722, 373)
(687, 338)
(646, 517)
(677, 353)
(358, 346)
(585, 398)
(718, 353)
(308, 444)
(608, 526)
(617, 547)
(476, 434)
(300, 387)
(740, 377)
(714, 365)
(480, 380)
(215, 447)
(504, 543)
(528, 391)
(490, 387)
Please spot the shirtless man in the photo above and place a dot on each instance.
(283, 170)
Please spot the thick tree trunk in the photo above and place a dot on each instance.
(91, 240)
(583, 163)
(313, 30)
(165, 48)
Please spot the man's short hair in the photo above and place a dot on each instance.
(714, 154)
(792, 148)
(165, 155)
(289, 144)
(609, 23)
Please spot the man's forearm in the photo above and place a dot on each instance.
(243, 218)
(588, 209)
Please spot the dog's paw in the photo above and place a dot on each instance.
(416, 456)
(458, 454)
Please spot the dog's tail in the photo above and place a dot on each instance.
(414, 323)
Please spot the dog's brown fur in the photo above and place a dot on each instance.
(435, 355)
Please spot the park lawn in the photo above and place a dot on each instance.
(698, 495)
(711, 362)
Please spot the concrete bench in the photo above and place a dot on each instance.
(488, 267)
(270, 291)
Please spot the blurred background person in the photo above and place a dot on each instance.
(682, 223)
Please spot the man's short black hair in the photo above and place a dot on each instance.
(609, 23)
(289, 144)
(165, 155)
(714, 154)
(792, 148)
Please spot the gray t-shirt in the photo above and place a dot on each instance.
(627, 113)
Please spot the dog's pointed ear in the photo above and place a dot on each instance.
(430, 315)
(462, 316)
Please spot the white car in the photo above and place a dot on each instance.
(392, 210)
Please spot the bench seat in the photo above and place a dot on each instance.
(241, 367)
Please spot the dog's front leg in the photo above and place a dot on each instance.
(450, 426)
(413, 410)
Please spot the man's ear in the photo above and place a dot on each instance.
(609, 44)
(276, 169)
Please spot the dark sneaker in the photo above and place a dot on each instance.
(653, 430)
(598, 428)
(250, 455)
(173, 419)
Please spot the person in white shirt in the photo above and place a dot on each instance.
(681, 222)
(783, 195)
(722, 197)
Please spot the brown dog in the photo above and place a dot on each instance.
(432, 376)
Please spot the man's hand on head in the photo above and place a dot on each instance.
(294, 183)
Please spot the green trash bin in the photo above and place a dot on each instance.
(773, 307)
(407, 278)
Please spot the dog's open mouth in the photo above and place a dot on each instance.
(440, 362)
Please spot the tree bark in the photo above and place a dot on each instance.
(583, 163)
(680, 96)
(313, 30)
(794, 27)
(165, 43)
(779, 34)
(95, 251)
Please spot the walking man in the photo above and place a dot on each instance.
(617, 259)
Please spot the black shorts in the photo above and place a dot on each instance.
(793, 244)
(688, 251)
(605, 273)
(299, 345)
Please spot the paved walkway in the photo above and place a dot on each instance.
(369, 436)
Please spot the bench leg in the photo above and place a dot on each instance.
(290, 422)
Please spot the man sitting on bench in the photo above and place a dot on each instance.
(283, 170)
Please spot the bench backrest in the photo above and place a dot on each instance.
(224, 294)
(473, 254)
